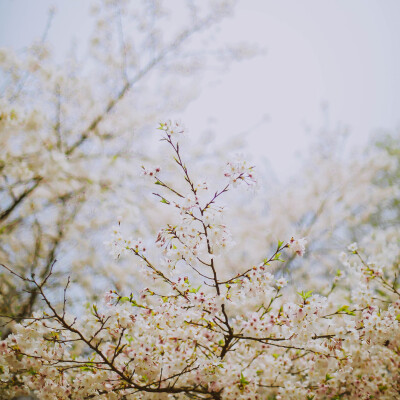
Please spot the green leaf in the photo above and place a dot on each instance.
(85, 368)
(124, 299)
(243, 381)
(31, 371)
(129, 338)
(194, 290)
(345, 309)
(305, 295)
(277, 257)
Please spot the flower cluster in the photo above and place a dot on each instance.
(298, 245)
(238, 171)
(120, 246)
(171, 128)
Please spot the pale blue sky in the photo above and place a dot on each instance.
(345, 53)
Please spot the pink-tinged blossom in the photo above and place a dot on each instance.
(298, 246)
(3, 347)
(281, 282)
(172, 128)
(238, 172)
(108, 297)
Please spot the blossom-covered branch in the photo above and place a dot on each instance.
(194, 331)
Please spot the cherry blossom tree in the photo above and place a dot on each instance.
(222, 284)
(195, 330)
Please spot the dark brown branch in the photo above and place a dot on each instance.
(4, 214)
